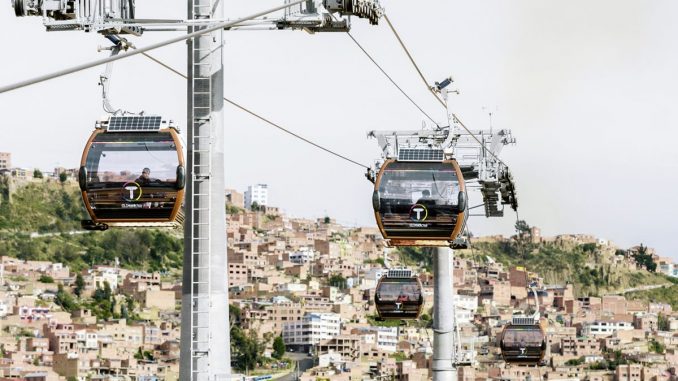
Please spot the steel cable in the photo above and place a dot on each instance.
(88, 65)
(431, 89)
(391, 79)
(254, 114)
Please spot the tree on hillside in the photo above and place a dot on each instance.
(79, 285)
(663, 323)
(655, 346)
(523, 238)
(575, 362)
(103, 303)
(255, 207)
(278, 347)
(337, 280)
(247, 348)
(37, 174)
(644, 259)
(102, 294)
(234, 314)
(65, 300)
(523, 228)
(63, 177)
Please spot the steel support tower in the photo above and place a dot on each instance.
(443, 364)
(205, 343)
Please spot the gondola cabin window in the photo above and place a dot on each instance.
(399, 292)
(120, 161)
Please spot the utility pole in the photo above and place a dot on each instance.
(443, 364)
(205, 337)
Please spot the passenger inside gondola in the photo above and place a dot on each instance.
(398, 292)
(426, 198)
(145, 178)
(398, 298)
(523, 337)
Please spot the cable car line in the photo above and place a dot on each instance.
(91, 64)
(431, 89)
(263, 118)
(416, 67)
(296, 135)
(391, 79)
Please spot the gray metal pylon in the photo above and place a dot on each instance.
(205, 344)
(443, 364)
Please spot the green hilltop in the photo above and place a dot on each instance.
(41, 206)
(40, 221)
(594, 270)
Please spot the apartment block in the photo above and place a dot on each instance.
(256, 193)
(614, 304)
(645, 321)
(5, 160)
(631, 372)
(311, 329)
(605, 328)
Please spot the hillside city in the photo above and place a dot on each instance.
(301, 294)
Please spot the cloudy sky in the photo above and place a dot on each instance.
(588, 89)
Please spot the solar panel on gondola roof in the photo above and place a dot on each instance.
(418, 154)
(135, 123)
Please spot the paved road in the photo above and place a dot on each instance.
(72, 232)
(645, 288)
(304, 360)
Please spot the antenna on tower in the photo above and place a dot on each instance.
(490, 114)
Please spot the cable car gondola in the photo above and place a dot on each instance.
(419, 202)
(523, 341)
(132, 173)
(399, 295)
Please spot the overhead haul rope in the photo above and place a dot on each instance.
(102, 61)
(391, 79)
(143, 51)
(173, 70)
(431, 89)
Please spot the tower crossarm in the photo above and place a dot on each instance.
(118, 16)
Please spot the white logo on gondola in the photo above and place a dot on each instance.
(129, 189)
(418, 212)
(398, 305)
